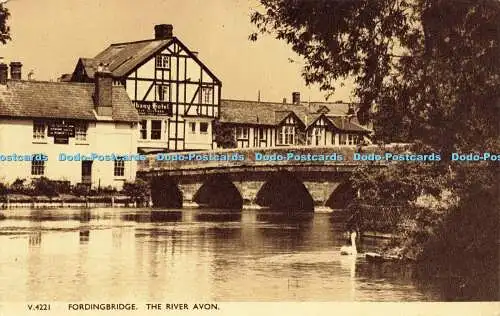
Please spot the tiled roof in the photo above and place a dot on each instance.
(273, 113)
(345, 124)
(122, 58)
(41, 99)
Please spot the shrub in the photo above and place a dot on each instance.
(81, 189)
(20, 187)
(3, 189)
(44, 186)
(137, 191)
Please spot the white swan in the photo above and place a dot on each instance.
(350, 250)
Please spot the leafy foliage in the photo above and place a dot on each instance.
(224, 135)
(138, 190)
(4, 28)
(44, 186)
(425, 71)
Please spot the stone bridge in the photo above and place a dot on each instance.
(305, 178)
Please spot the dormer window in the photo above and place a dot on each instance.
(163, 62)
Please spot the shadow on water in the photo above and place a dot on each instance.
(218, 216)
(284, 217)
(153, 216)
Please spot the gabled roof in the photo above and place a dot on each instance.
(123, 58)
(346, 124)
(65, 100)
(273, 113)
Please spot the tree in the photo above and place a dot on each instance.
(138, 191)
(4, 28)
(422, 62)
(224, 135)
(431, 70)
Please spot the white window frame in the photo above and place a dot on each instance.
(81, 131)
(38, 167)
(39, 130)
(162, 62)
(119, 168)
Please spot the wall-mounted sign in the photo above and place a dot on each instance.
(153, 108)
(61, 129)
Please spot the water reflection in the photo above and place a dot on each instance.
(144, 255)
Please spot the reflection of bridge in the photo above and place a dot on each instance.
(291, 177)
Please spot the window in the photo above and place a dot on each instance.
(119, 170)
(315, 136)
(203, 127)
(163, 62)
(81, 131)
(289, 135)
(343, 139)
(162, 92)
(37, 168)
(156, 129)
(259, 136)
(207, 93)
(242, 133)
(192, 127)
(39, 128)
(144, 130)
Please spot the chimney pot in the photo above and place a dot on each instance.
(296, 97)
(3, 73)
(15, 70)
(103, 94)
(163, 31)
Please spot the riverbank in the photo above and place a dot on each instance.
(64, 200)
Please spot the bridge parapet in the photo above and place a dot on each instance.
(272, 157)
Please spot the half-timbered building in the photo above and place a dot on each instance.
(66, 131)
(176, 95)
(270, 124)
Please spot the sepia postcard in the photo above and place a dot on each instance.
(242, 157)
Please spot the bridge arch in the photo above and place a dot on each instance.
(165, 192)
(218, 191)
(341, 196)
(285, 191)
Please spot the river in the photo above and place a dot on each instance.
(114, 254)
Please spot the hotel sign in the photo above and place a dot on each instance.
(61, 129)
(153, 108)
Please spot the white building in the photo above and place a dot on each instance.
(50, 118)
(176, 95)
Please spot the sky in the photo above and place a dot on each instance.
(48, 37)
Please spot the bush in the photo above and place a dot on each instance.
(107, 190)
(44, 186)
(20, 187)
(81, 189)
(138, 191)
(3, 189)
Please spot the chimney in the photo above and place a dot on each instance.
(296, 97)
(163, 31)
(284, 100)
(15, 70)
(103, 93)
(3, 73)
